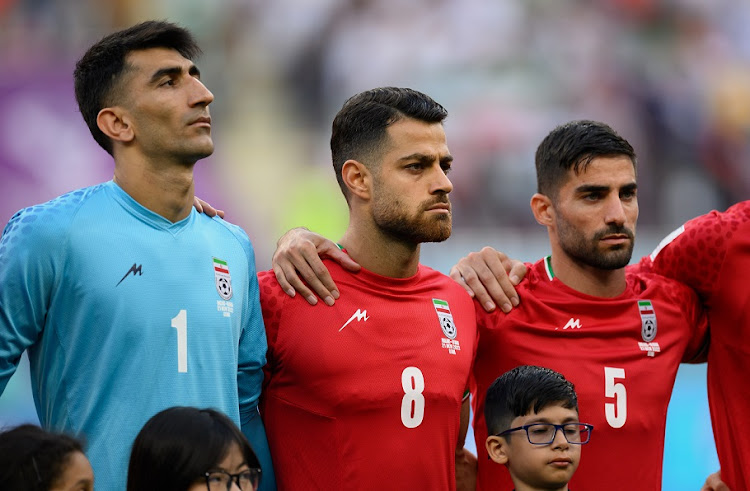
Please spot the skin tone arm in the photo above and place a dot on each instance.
(466, 462)
(714, 483)
(490, 276)
(298, 254)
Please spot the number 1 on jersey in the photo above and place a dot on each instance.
(180, 323)
(412, 404)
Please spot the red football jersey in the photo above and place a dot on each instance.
(621, 354)
(366, 394)
(711, 254)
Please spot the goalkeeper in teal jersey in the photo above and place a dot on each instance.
(127, 300)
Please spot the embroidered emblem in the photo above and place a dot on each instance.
(648, 320)
(223, 279)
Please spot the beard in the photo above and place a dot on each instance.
(392, 218)
(587, 251)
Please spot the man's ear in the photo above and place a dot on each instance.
(357, 178)
(115, 123)
(497, 449)
(543, 210)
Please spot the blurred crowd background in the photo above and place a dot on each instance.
(672, 76)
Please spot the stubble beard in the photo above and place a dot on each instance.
(587, 251)
(391, 218)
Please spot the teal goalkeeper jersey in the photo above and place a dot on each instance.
(123, 314)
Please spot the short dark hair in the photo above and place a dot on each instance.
(178, 445)
(523, 390)
(34, 459)
(574, 145)
(359, 128)
(99, 71)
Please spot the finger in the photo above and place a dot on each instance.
(291, 276)
(517, 271)
(283, 283)
(455, 274)
(340, 257)
(316, 274)
(490, 267)
(208, 209)
(197, 204)
(509, 275)
(220, 213)
(471, 276)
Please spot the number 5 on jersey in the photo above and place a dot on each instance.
(412, 404)
(616, 412)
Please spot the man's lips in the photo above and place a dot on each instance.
(440, 207)
(202, 121)
(615, 238)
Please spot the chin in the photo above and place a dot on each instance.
(202, 153)
(439, 235)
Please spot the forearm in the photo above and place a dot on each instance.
(252, 427)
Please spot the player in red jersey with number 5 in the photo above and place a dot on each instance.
(368, 394)
(618, 337)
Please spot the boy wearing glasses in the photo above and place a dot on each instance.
(524, 409)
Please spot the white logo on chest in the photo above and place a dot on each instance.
(360, 315)
(572, 324)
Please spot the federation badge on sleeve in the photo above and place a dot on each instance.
(648, 320)
(445, 317)
(223, 280)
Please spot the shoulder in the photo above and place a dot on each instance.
(46, 224)
(435, 279)
(272, 297)
(230, 232)
(267, 281)
(661, 287)
(702, 235)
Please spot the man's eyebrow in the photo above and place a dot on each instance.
(594, 188)
(173, 71)
(421, 157)
(591, 188)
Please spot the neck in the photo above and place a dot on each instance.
(167, 190)
(379, 252)
(587, 279)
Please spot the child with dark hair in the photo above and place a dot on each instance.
(32, 459)
(190, 449)
(524, 409)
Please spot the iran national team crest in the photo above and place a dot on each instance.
(648, 320)
(223, 280)
(445, 317)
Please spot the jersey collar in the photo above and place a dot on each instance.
(548, 267)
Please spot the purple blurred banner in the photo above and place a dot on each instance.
(45, 147)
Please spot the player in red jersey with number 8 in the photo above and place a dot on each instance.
(368, 394)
